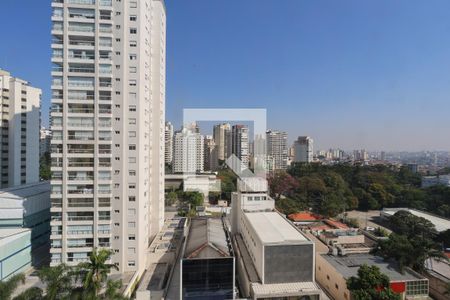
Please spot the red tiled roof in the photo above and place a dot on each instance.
(304, 216)
(447, 254)
(336, 224)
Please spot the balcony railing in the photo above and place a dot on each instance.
(85, 2)
(81, 178)
(81, 84)
(82, 191)
(104, 231)
(80, 218)
(81, 245)
(71, 124)
(81, 164)
(80, 29)
(80, 232)
(81, 43)
(104, 191)
(81, 70)
(79, 56)
(105, 3)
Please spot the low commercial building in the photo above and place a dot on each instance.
(438, 274)
(161, 260)
(332, 272)
(28, 206)
(274, 259)
(208, 264)
(15, 251)
(428, 181)
(441, 224)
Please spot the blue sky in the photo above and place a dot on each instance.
(369, 74)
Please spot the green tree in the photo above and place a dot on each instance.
(33, 293)
(171, 198)
(44, 166)
(370, 284)
(58, 281)
(7, 287)
(95, 272)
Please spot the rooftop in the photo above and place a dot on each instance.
(9, 234)
(271, 228)
(207, 234)
(348, 266)
(304, 216)
(24, 191)
(441, 224)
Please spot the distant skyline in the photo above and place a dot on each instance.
(351, 74)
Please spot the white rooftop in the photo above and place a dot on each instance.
(283, 289)
(271, 228)
(441, 224)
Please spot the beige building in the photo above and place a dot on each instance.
(108, 106)
(19, 131)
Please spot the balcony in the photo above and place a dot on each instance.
(80, 218)
(82, 2)
(105, 3)
(81, 70)
(81, 84)
(81, 164)
(85, 245)
(74, 42)
(81, 29)
(84, 191)
(80, 232)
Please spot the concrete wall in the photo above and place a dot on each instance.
(329, 279)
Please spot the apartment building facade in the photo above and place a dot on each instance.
(19, 132)
(107, 121)
(277, 151)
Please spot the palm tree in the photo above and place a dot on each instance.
(8, 287)
(33, 293)
(58, 281)
(112, 290)
(96, 272)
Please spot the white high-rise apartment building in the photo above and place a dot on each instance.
(108, 106)
(277, 151)
(239, 144)
(19, 131)
(188, 154)
(168, 139)
(303, 149)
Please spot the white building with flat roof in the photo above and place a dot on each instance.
(441, 224)
(274, 259)
(19, 131)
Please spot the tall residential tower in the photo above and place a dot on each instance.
(303, 149)
(108, 105)
(19, 131)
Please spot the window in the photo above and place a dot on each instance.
(132, 147)
(133, 18)
(132, 107)
(132, 198)
(132, 134)
(131, 121)
(132, 173)
(133, 44)
(336, 286)
(133, 69)
(132, 160)
(133, 4)
(133, 56)
(133, 30)
(131, 224)
(131, 250)
(131, 263)
(131, 237)
(131, 186)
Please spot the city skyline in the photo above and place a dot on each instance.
(383, 86)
